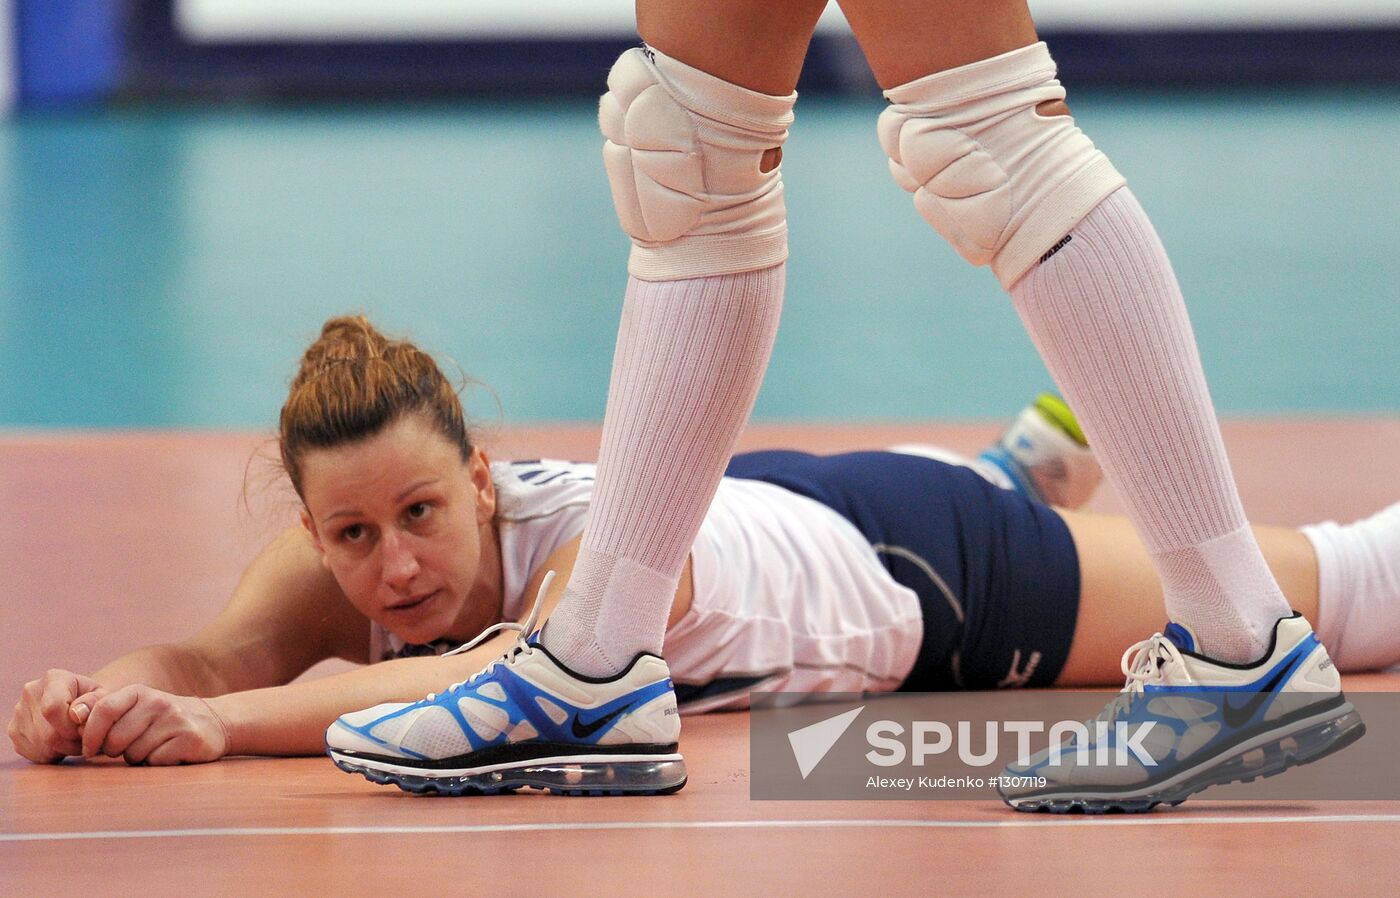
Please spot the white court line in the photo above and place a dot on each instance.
(685, 824)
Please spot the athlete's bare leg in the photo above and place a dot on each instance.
(702, 303)
(907, 39)
(1120, 595)
(756, 44)
(1088, 277)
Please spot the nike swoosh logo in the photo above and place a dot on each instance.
(1238, 715)
(584, 730)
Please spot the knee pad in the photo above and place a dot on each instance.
(684, 153)
(1002, 183)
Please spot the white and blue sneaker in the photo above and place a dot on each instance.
(1184, 722)
(1045, 456)
(526, 720)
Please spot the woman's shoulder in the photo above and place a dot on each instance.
(535, 488)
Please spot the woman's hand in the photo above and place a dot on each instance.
(147, 726)
(41, 728)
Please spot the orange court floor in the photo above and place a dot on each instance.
(112, 540)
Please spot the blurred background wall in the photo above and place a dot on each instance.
(97, 49)
(188, 187)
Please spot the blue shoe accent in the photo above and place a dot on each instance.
(1180, 637)
(1003, 460)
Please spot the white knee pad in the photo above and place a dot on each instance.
(683, 154)
(1002, 183)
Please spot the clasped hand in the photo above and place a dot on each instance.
(63, 714)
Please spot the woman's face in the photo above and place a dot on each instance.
(405, 526)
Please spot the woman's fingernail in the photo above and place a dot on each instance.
(79, 713)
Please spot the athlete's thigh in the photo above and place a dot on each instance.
(758, 44)
(904, 40)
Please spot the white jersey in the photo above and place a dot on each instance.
(787, 593)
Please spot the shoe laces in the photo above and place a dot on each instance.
(519, 647)
(1144, 662)
(1149, 661)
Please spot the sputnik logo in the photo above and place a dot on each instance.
(811, 743)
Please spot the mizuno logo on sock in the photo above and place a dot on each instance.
(1064, 241)
(583, 730)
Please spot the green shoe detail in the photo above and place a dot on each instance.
(1058, 412)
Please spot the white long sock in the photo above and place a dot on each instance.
(689, 361)
(1107, 315)
(1358, 596)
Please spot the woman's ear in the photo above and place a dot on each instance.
(310, 527)
(480, 468)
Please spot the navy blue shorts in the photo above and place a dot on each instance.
(997, 575)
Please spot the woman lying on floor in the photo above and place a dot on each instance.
(866, 571)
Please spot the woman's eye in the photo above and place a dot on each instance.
(418, 510)
(353, 533)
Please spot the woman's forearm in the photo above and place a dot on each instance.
(170, 668)
(292, 719)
